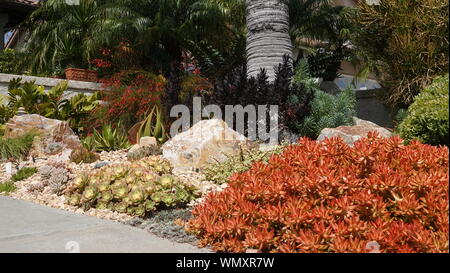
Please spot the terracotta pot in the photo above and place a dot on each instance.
(77, 74)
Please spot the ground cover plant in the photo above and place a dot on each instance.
(220, 172)
(427, 119)
(329, 197)
(7, 187)
(16, 148)
(137, 188)
(23, 173)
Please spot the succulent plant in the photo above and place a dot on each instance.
(83, 155)
(139, 211)
(74, 200)
(121, 207)
(137, 196)
(121, 192)
(56, 177)
(80, 182)
(166, 181)
(149, 205)
(90, 193)
(102, 205)
(106, 196)
(133, 188)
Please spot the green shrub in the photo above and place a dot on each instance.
(9, 61)
(428, 117)
(16, 148)
(36, 100)
(23, 174)
(405, 41)
(220, 172)
(137, 188)
(110, 139)
(7, 187)
(329, 111)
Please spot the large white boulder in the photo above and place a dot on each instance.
(207, 141)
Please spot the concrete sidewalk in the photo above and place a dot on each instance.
(30, 228)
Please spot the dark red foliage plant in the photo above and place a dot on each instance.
(379, 195)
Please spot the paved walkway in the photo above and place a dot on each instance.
(27, 227)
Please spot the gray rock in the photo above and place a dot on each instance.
(101, 165)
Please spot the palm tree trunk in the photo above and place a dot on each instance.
(268, 37)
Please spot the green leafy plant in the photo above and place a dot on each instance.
(326, 110)
(7, 187)
(16, 148)
(137, 188)
(428, 117)
(110, 139)
(405, 42)
(10, 61)
(153, 126)
(23, 174)
(88, 142)
(329, 111)
(50, 103)
(220, 172)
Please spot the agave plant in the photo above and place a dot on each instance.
(110, 139)
(153, 126)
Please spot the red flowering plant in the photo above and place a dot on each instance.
(130, 95)
(378, 196)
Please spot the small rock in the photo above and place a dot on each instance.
(101, 165)
(148, 141)
(8, 168)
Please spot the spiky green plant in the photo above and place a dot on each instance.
(110, 139)
(153, 125)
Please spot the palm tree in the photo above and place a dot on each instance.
(268, 39)
(62, 35)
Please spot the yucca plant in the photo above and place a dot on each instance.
(110, 139)
(153, 125)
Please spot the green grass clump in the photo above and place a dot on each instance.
(220, 172)
(16, 148)
(7, 187)
(23, 174)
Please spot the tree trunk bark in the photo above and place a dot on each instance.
(268, 37)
